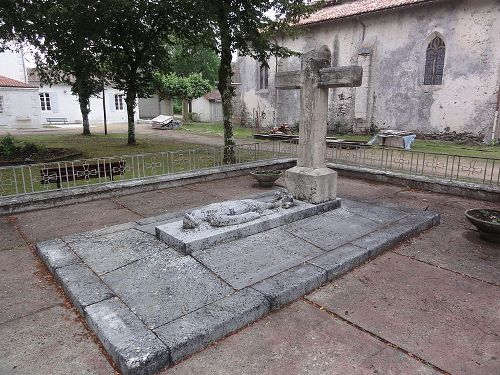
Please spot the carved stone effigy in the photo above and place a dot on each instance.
(234, 212)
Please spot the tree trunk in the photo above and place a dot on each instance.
(185, 110)
(130, 101)
(85, 110)
(226, 91)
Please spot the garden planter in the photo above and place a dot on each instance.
(487, 222)
(266, 178)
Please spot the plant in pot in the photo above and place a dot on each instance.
(266, 178)
(487, 222)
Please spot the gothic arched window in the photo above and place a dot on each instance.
(434, 62)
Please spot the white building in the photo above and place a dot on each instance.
(19, 104)
(151, 107)
(208, 108)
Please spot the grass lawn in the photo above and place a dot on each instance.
(99, 145)
(441, 147)
(215, 129)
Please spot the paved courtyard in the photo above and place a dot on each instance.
(427, 306)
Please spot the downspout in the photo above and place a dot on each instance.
(364, 28)
(495, 119)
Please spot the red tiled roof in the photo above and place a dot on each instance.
(213, 95)
(355, 8)
(9, 82)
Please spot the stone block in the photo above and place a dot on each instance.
(341, 260)
(292, 284)
(55, 254)
(194, 331)
(188, 241)
(82, 286)
(250, 260)
(313, 185)
(160, 289)
(134, 348)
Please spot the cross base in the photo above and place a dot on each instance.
(313, 185)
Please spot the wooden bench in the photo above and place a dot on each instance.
(70, 173)
(50, 120)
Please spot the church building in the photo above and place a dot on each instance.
(429, 66)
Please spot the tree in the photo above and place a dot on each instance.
(187, 88)
(66, 36)
(187, 58)
(139, 36)
(246, 27)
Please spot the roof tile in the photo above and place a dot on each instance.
(9, 82)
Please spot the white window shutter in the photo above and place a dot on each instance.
(111, 101)
(54, 103)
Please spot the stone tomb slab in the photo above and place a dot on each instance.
(187, 241)
(151, 307)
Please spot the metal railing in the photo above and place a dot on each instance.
(43, 177)
(36, 178)
(433, 165)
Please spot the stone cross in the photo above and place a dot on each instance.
(311, 180)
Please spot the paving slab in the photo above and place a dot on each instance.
(255, 258)
(362, 189)
(134, 348)
(50, 341)
(56, 253)
(449, 320)
(160, 289)
(196, 330)
(23, 290)
(66, 220)
(225, 189)
(300, 339)
(332, 229)
(10, 236)
(108, 252)
(372, 210)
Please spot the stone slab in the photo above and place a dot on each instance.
(108, 252)
(313, 185)
(382, 213)
(447, 319)
(56, 253)
(188, 241)
(291, 284)
(339, 261)
(255, 258)
(196, 330)
(301, 339)
(82, 286)
(332, 229)
(133, 347)
(160, 289)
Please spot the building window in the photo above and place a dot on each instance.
(119, 102)
(1, 104)
(45, 101)
(434, 62)
(263, 77)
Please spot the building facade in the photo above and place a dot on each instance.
(428, 66)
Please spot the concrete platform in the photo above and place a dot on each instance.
(167, 306)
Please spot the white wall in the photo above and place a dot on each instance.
(201, 107)
(151, 107)
(21, 108)
(12, 65)
(65, 105)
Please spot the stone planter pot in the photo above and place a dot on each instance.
(488, 230)
(266, 178)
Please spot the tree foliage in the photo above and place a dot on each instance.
(187, 58)
(186, 88)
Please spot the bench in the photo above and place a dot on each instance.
(70, 173)
(50, 120)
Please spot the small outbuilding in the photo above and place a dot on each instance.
(208, 108)
(19, 104)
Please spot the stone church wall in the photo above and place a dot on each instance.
(391, 48)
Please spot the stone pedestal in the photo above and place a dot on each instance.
(313, 185)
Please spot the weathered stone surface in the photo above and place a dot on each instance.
(339, 261)
(332, 229)
(82, 286)
(55, 254)
(252, 259)
(134, 348)
(192, 332)
(188, 241)
(313, 185)
(160, 289)
(111, 251)
(289, 285)
(10, 236)
(99, 232)
(375, 211)
(385, 238)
